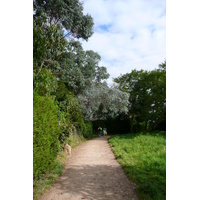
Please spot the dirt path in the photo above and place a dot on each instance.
(92, 173)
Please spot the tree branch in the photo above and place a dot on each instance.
(66, 35)
(40, 67)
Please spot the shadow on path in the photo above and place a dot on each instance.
(92, 173)
(99, 182)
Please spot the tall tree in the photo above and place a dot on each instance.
(100, 101)
(79, 68)
(67, 13)
(54, 21)
(45, 48)
(147, 96)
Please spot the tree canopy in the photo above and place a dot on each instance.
(147, 91)
(68, 14)
(101, 102)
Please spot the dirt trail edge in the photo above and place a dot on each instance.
(92, 173)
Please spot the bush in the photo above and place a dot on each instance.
(45, 134)
(45, 83)
(65, 125)
(41, 185)
(88, 133)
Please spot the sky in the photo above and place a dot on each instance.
(128, 34)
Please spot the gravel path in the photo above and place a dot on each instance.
(92, 173)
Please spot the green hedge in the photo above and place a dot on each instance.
(88, 132)
(45, 134)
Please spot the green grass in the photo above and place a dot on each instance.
(143, 158)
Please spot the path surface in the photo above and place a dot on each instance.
(92, 173)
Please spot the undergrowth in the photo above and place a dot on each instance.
(49, 178)
(143, 158)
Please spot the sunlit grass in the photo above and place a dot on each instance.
(143, 158)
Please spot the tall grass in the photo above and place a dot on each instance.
(143, 158)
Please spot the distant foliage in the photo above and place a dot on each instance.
(100, 101)
(88, 130)
(78, 69)
(75, 113)
(45, 134)
(147, 89)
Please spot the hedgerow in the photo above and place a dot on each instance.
(45, 134)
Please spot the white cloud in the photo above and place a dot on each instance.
(127, 34)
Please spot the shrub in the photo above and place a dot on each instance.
(45, 134)
(88, 130)
(45, 83)
(65, 125)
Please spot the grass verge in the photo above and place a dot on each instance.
(143, 158)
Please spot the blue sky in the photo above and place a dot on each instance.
(128, 34)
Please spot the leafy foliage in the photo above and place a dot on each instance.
(46, 48)
(89, 130)
(100, 101)
(78, 69)
(70, 115)
(45, 134)
(147, 97)
(45, 83)
(67, 13)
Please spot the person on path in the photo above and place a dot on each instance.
(104, 132)
(100, 131)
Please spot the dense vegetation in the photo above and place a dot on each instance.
(143, 158)
(45, 137)
(147, 89)
(146, 111)
(70, 95)
(57, 113)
